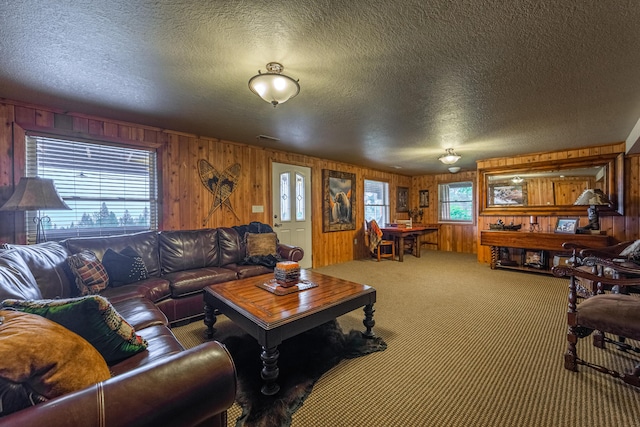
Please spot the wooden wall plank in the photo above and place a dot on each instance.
(185, 202)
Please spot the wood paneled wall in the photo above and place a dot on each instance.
(451, 237)
(184, 201)
(621, 228)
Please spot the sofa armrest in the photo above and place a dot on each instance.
(290, 253)
(184, 389)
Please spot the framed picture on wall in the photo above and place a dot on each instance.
(424, 198)
(338, 201)
(402, 199)
(507, 195)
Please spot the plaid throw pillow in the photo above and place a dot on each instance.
(89, 273)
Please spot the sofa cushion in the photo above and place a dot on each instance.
(140, 313)
(89, 273)
(249, 270)
(47, 262)
(42, 360)
(232, 248)
(261, 244)
(162, 343)
(93, 318)
(154, 289)
(192, 281)
(144, 243)
(124, 267)
(16, 280)
(185, 250)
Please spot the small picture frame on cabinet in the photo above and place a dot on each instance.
(533, 258)
(567, 225)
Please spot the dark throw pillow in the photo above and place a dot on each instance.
(93, 318)
(88, 272)
(124, 267)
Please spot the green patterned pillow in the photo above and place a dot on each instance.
(93, 318)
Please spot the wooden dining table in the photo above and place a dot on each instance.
(399, 233)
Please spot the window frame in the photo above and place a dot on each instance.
(152, 198)
(441, 201)
(386, 205)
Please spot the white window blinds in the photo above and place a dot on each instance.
(110, 189)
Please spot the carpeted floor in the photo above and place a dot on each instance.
(467, 346)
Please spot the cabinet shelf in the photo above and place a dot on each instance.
(518, 248)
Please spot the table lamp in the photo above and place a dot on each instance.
(35, 194)
(592, 198)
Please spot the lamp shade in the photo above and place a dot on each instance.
(450, 157)
(273, 86)
(34, 194)
(592, 197)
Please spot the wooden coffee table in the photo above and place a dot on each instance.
(271, 318)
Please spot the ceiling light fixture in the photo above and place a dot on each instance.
(450, 158)
(273, 86)
(454, 169)
(517, 180)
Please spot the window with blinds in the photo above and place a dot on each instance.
(455, 202)
(110, 189)
(376, 201)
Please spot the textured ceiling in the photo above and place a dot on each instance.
(383, 83)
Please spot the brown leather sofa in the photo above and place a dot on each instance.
(163, 385)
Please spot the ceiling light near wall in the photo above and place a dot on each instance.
(273, 86)
(450, 157)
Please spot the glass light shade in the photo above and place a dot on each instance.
(273, 86)
(450, 158)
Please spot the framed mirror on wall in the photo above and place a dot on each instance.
(552, 188)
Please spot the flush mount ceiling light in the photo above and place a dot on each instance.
(273, 86)
(450, 158)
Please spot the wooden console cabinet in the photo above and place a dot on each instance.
(521, 250)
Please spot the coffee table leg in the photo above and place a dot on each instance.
(209, 321)
(368, 321)
(270, 370)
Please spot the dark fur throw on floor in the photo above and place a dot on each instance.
(303, 359)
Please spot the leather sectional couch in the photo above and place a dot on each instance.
(164, 384)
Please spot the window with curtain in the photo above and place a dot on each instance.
(376, 201)
(110, 189)
(455, 202)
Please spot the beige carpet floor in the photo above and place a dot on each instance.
(467, 346)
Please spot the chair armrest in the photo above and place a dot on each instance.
(184, 389)
(568, 271)
(290, 253)
(607, 252)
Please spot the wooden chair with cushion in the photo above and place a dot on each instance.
(375, 242)
(609, 317)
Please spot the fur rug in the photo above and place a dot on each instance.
(303, 359)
